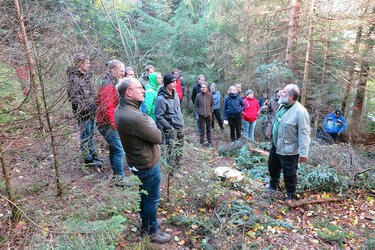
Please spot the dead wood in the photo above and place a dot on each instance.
(305, 202)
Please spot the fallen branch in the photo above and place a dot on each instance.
(258, 150)
(304, 203)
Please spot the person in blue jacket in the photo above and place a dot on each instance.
(334, 124)
(233, 107)
(217, 113)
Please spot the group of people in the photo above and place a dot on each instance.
(135, 116)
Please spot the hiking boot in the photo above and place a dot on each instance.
(95, 157)
(93, 163)
(273, 188)
(160, 237)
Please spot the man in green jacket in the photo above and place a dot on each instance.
(290, 140)
(140, 139)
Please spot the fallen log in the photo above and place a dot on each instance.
(304, 203)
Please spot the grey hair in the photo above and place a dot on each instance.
(200, 76)
(293, 90)
(113, 64)
(231, 87)
(124, 84)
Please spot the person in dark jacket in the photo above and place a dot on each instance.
(233, 107)
(334, 124)
(83, 99)
(105, 119)
(217, 96)
(263, 99)
(194, 93)
(149, 69)
(271, 111)
(181, 78)
(204, 106)
(140, 138)
(169, 117)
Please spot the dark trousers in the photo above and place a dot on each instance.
(205, 122)
(289, 165)
(217, 114)
(235, 124)
(175, 142)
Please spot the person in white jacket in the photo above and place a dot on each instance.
(290, 140)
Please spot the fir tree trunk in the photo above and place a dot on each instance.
(359, 99)
(290, 59)
(349, 85)
(308, 55)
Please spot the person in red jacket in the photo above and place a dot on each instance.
(250, 114)
(178, 85)
(105, 119)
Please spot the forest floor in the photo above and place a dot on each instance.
(202, 212)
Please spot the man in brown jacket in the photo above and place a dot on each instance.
(204, 106)
(140, 139)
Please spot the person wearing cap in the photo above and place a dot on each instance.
(334, 124)
(169, 118)
(250, 114)
(204, 106)
(271, 111)
(217, 96)
(83, 99)
(140, 138)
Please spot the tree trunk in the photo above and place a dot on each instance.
(247, 54)
(16, 215)
(290, 59)
(359, 100)
(324, 72)
(30, 63)
(351, 73)
(308, 55)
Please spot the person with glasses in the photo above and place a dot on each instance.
(140, 138)
(290, 139)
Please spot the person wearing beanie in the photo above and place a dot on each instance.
(250, 114)
(169, 119)
(334, 124)
(204, 106)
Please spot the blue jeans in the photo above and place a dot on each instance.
(248, 129)
(116, 152)
(149, 202)
(87, 131)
